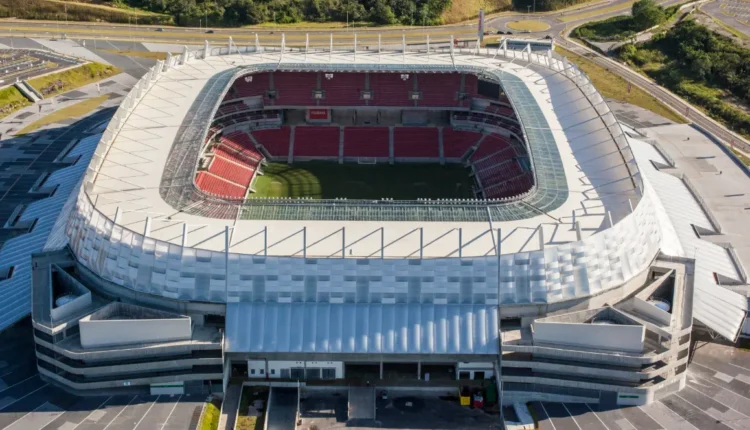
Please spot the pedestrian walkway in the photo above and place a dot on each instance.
(229, 406)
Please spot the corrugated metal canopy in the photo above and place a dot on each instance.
(362, 328)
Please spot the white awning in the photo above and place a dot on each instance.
(362, 328)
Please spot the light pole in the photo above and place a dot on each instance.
(528, 8)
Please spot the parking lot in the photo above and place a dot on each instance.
(28, 403)
(717, 397)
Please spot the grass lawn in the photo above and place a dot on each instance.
(72, 111)
(462, 10)
(615, 87)
(329, 180)
(530, 25)
(141, 54)
(599, 11)
(744, 158)
(61, 82)
(249, 395)
(211, 415)
(11, 100)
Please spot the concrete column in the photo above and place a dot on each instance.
(421, 242)
(304, 242)
(265, 241)
(343, 242)
(541, 237)
(419, 369)
(147, 229)
(460, 242)
(382, 243)
(381, 369)
(184, 234)
(578, 230)
(118, 215)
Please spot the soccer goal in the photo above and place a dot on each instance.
(367, 160)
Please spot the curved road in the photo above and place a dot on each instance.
(561, 23)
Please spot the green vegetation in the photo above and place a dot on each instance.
(211, 415)
(11, 100)
(329, 180)
(617, 7)
(545, 5)
(645, 14)
(705, 68)
(73, 111)
(71, 79)
(463, 10)
(252, 12)
(613, 86)
(744, 158)
(73, 11)
(249, 395)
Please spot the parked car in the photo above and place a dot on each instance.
(159, 29)
(210, 31)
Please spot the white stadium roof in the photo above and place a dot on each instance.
(124, 231)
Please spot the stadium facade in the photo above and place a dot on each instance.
(574, 285)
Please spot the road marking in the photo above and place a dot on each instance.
(23, 397)
(147, 411)
(597, 416)
(59, 412)
(681, 421)
(571, 415)
(121, 411)
(548, 417)
(92, 413)
(170, 412)
(714, 399)
(20, 382)
(706, 412)
(704, 380)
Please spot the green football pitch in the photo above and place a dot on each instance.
(328, 180)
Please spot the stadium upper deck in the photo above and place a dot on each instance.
(585, 174)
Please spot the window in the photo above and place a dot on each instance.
(252, 371)
(329, 373)
(297, 373)
(262, 371)
(273, 371)
(285, 374)
(312, 373)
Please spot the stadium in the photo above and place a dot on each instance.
(422, 214)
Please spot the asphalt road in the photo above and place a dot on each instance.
(663, 95)
(734, 13)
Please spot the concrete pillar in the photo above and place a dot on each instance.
(343, 242)
(419, 369)
(381, 369)
(382, 243)
(460, 242)
(541, 238)
(265, 241)
(118, 215)
(184, 234)
(578, 230)
(304, 242)
(147, 229)
(421, 242)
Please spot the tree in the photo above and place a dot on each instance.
(382, 13)
(646, 14)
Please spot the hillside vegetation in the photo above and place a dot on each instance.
(702, 66)
(56, 10)
(645, 14)
(235, 13)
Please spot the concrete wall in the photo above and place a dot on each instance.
(76, 306)
(596, 336)
(651, 311)
(100, 333)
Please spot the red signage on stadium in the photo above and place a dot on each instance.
(318, 113)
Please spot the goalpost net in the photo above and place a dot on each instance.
(367, 160)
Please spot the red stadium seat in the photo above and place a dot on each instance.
(276, 141)
(416, 142)
(313, 141)
(366, 142)
(457, 142)
(218, 186)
